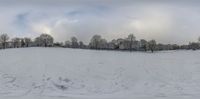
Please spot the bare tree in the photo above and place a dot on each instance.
(94, 42)
(131, 38)
(74, 41)
(98, 43)
(47, 39)
(3, 39)
(38, 41)
(22, 42)
(194, 46)
(27, 41)
(44, 40)
(112, 44)
(16, 42)
(199, 39)
(152, 45)
(103, 44)
(67, 44)
(144, 44)
(81, 44)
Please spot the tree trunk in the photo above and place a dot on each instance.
(4, 45)
(152, 50)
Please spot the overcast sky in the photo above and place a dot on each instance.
(167, 21)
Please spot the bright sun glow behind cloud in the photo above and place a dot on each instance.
(153, 20)
(39, 28)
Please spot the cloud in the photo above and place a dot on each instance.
(165, 21)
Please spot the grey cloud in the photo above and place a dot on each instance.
(91, 2)
(166, 21)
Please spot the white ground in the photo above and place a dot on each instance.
(59, 73)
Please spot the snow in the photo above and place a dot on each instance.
(61, 73)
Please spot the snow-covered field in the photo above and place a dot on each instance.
(61, 73)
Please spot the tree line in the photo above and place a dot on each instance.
(130, 43)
